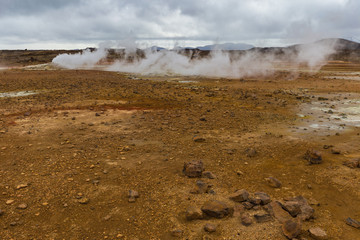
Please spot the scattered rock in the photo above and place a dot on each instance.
(177, 233)
(240, 196)
(273, 182)
(250, 152)
(262, 217)
(275, 209)
(292, 206)
(84, 200)
(318, 233)
(353, 163)
(209, 227)
(264, 197)
(199, 139)
(133, 195)
(193, 169)
(291, 228)
(22, 206)
(21, 186)
(10, 201)
(246, 219)
(352, 222)
(313, 156)
(255, 201)
(208, 175)
(200, 187)
(248, 205)
(216, 209)
(193, 213)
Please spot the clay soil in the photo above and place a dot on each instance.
(72, 152)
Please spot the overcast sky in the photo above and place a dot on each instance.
(50, 24)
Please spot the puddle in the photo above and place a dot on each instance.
(338, 113)
(17, 94)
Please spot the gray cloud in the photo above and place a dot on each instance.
(89, 21)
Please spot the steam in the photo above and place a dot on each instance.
(217, 63)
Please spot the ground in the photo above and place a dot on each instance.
(71, 152)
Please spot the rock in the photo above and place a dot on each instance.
(275, 209)
(264, 197)
(262, 217)
(352, 222)
(292, 207)
(250, 152)
(193, 213)
(193, 169)
(246, 220)
(291, 229)
(198, 139)
(210, 227)
(177, 232)
(318, 233)
(248, 205)
(255, 201)
(133, 195)
(208, 175)
(353, 163)
(21, 186)
(84, 200)
(335, 151)
(273, 182)
(238, 210)
(216, 209)
(1, 212)
(10, 201)
(201, 187)
(22, 206)
(240, 196)
(313, 156)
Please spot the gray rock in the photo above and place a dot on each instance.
(248, 205)
(292, 207)
(262, 217)
(313, 156)
(240, 196)
(239, 209)
(199, 139)
(306, 212)
(352, 222)
(353, 163)
(255, 201)
(217, 209)
(250, 152)
(193, 213)
(291, 228)
(264, 197)
(246, 219)
(177, 232)
(133, 195)
(209, 227)
(193, 169)
(318, 233)
(273, 182)
(275, 209)
(200, 187)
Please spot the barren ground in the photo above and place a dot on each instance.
(72, 152)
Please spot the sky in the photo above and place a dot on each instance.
(76, 24)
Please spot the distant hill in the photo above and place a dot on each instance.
(227, 47)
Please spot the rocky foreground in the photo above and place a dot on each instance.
(103, 155)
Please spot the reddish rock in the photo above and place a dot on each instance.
(317, 233)
(291, 228)
(278, 212)
(217, 209)
(313, 156)
(193, 169)
(240, 196)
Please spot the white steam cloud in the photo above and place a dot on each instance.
(216, 64)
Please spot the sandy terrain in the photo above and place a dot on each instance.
(79, 140)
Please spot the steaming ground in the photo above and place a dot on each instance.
(217, 64)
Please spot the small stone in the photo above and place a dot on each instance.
(240, 195)
(292, 207)
(238, 210)
(352, 222)
(216, 209)
(133, 194)
(1, 212)
(250, 152)
(291, 228)
(255, 201)
(335, 151)
(210, 227)
(107, 217)
(13, 224)
(97, 114)
(199, 139)
(193, 169)
(208, 175)
(318, 233)
(10, 201)
(313, 156)
(84, 200)
(273, 182)
(262, 217)
(177, 233)
(248, 205)
(264, 197)
(21, 186)
(193, 213)
(246, 220)
(22, 206)
(353, 163)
